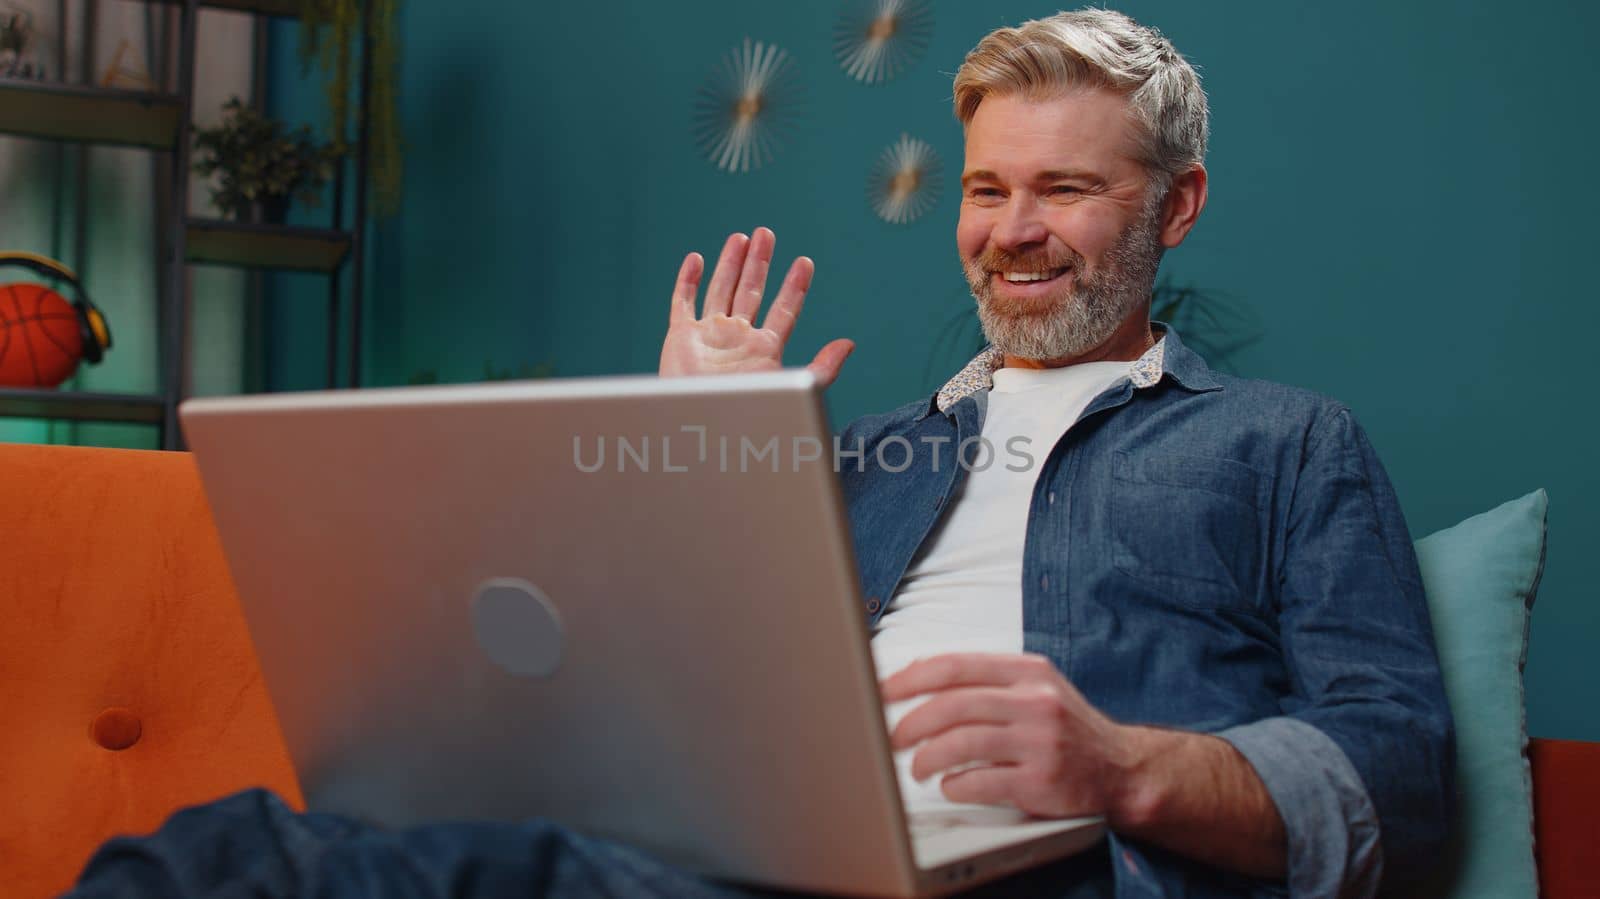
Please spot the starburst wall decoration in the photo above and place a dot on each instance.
(905, 181)
(746, 106)
(876, 39)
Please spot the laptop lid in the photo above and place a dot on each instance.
(625, 604)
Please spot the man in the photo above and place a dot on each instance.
(1195, 609)
(1222, 561)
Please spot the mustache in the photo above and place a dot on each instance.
(996, 259)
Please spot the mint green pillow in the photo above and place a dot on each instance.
(1481, 577)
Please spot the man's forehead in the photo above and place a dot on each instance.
(1081, 132)
(1045, 174)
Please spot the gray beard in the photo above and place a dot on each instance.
(1085, 313)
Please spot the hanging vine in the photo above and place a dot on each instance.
(328, 37)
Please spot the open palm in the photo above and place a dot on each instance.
(724, 338)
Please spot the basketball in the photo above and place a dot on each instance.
(40, 343)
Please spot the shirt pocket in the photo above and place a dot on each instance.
(1189, 527)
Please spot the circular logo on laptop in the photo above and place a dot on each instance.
(518, 627)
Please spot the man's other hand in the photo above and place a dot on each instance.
(1010, 730)
(724, 338)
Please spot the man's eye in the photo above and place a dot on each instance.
(1062, 190)
(985, 192)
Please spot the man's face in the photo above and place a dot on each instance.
(1058, 235)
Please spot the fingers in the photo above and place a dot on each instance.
(978, 744)
(829, 359)
(753, 279)
(972, 705)
(785, 309)
(985, 785)
(719, 296)
(964, 670)
(687, 286)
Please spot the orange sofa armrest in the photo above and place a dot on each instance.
(1566, 816)
(131, 688)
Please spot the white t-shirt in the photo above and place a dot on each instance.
(963, 591)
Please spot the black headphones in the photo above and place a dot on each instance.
(91, 323)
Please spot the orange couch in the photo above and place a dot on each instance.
(128, 685)
(1566, 817)
(129, 688)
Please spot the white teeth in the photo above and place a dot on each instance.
(1028, 276)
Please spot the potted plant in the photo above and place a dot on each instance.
(16, 35)
(263, 165)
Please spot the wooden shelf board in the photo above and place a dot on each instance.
(266, 246)
(23, 402)
(73, 112)
(287, 8)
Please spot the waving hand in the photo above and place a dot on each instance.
(724, 339)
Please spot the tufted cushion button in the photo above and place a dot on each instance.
(116, 729)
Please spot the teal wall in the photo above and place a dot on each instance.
(1400, 201)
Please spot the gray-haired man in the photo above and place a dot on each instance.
(1198, 615)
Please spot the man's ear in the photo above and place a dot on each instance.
(1185, 199)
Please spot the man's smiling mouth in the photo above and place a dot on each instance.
(1032, 277)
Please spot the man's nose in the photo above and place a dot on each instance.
(1020, 226)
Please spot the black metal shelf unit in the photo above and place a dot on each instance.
(163, 122)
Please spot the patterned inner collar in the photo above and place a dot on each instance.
(979, 373)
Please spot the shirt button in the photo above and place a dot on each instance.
(1052, 497)
(1044, 581)
(873, 605)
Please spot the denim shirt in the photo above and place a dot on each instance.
(1219, 555)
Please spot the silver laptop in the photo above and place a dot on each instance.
(625, 604)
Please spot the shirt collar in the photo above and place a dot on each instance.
(978, 374)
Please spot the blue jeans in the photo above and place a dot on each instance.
(252, 845)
